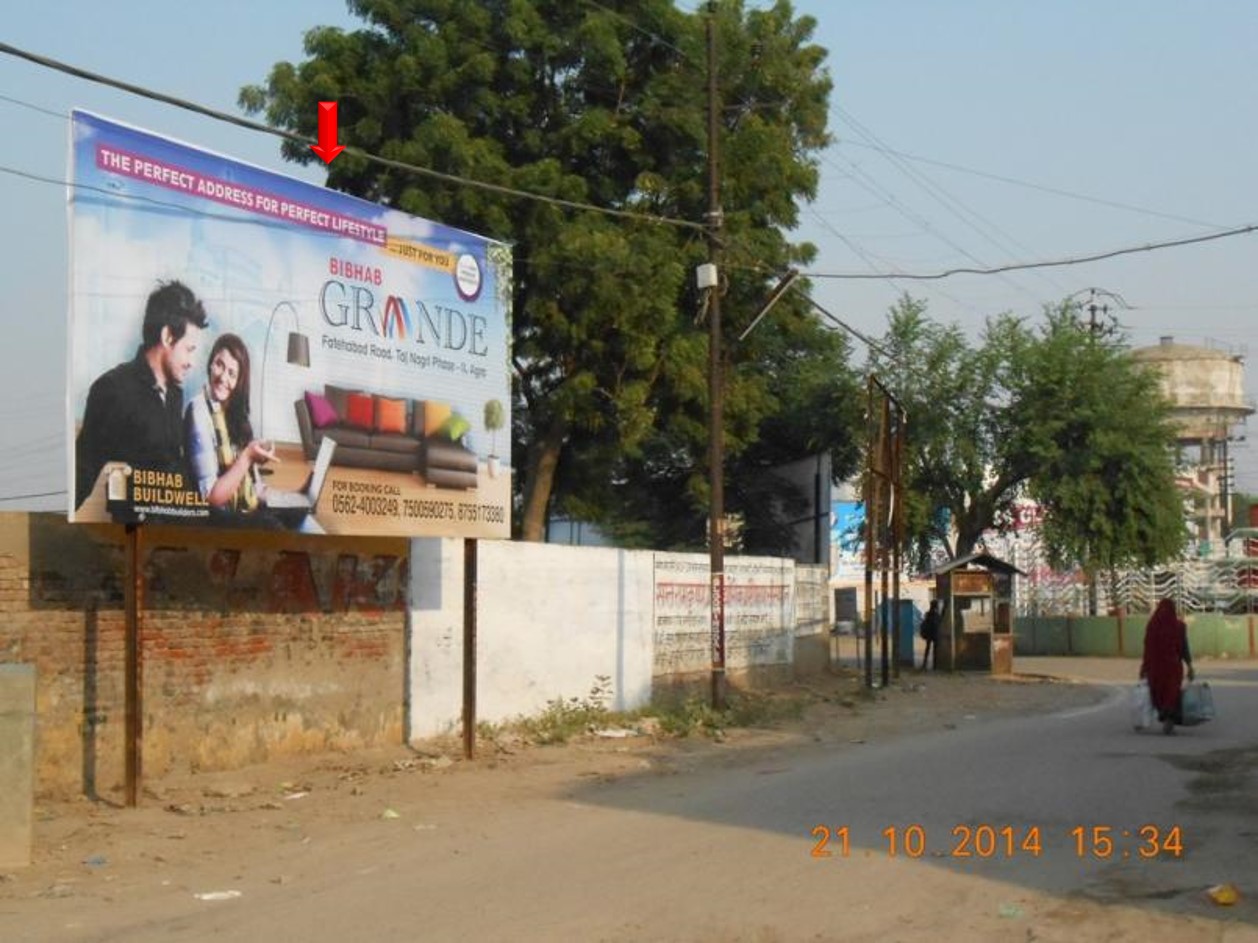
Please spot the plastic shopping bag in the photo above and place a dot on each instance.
(1142, 713)
(1197, 703)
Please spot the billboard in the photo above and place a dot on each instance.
(248, 350)
(847, 540)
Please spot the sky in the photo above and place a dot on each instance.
(976, 134)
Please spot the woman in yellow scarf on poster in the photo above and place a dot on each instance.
(221, 449)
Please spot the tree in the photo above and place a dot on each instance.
(1097, 428)
(494, 419)
(1055, 414)
(952, 394)
(808, 401)
(1241, 503)
(600, 103)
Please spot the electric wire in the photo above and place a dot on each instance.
(841, 276)
(248, 124)
(1048, 263)
(868, 183)
(983, 227)
(868, 257)
(36, 494)
(858, 175)
(33, 107)
(641, 29)
(1013, 181)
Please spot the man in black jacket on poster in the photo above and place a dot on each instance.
(134, 412)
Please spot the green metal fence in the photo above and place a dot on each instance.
(1209, 635)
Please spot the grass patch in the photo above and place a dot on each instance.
(562, 719)
(745, 709)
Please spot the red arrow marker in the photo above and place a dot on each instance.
(327, 148)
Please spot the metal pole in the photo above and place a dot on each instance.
(883, 532)
(134, 668)
(897, 535)
(716, 432)
(871, 501)
(469, 647)
(952, 628)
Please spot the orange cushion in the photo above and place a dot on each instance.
(435, 416)
(360, 410)
(390, 415)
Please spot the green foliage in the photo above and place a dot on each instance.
(494, 418)
(601, 103)
(564, 718)
(1241, 503)
(695, 715)
(1098, 429)
(1057, 414)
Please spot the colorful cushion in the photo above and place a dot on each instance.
(322, 413)
(435, 416)
(390, 415)
(360, 410)
(455, 427)
(338, 396)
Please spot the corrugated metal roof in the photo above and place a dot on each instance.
(980, 559)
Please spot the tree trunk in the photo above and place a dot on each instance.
(965, 545)
(543, 461)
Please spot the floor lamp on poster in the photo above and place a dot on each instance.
(298, 355)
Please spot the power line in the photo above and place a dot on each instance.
(641, 29)
(1052, 263)
(841, 276)
(250, 125)
(867, 341)
(966, 215)
(38, 494)
(268, 223)
(33, 107)
(1055, 191)
(869, 257)
(870, 185)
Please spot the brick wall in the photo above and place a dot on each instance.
(253, 645)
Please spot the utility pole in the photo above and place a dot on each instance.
(1094, 326)
(716, 420)
(871, 526)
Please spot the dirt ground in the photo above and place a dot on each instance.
(205, 832)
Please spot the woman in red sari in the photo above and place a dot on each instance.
(1165, 654)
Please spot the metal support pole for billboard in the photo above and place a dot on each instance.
(469, 647)
(134, 667)
(716, 422)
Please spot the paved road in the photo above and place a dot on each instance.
(1017, 785)
(715, 855)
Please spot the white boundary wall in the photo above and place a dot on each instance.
(551, 619)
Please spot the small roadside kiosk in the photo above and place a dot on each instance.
(976, 632)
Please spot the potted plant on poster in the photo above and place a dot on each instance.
(494, 417)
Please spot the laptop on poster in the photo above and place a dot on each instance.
(307, 499)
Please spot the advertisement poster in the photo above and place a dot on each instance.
(248, 350)
(759, 613)
(847, 540)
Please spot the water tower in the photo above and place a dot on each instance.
(1207, 393)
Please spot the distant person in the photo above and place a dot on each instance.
(134, 411)
(1165, 654)
(222, 452)
(929, 631)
